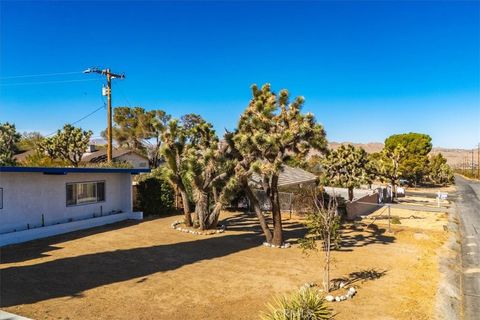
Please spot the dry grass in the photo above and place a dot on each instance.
(149, 271)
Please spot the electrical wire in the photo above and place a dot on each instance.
(44, 82)
(82, 118)
(40, 75)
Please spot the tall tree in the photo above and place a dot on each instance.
(173, 149)
(386, 165)
(209, 170)
(9, 137)
(140, 130)
(347, 167)
(439, 171)
(414, 163)
(270, 131)
(69, 144)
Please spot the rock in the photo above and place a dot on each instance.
(342, 284)
(343, 298)
(329, 298)
(337, 298)
(352, 290)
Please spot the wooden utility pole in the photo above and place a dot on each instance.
(478, 161)
(108, 92)
(473, 172)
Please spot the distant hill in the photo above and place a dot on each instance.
(455, 157)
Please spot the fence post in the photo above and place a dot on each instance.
(389, 229)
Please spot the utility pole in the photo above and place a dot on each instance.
(108, 92)
(473, 172)
(478, 161)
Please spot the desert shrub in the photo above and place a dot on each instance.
(155, 195)
(306, 304)
(395, 220)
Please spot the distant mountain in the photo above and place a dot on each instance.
(455, 157)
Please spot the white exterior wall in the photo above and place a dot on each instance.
(135, 160)
(26, 196)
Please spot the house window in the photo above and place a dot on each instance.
(85, 192)
(1, 198)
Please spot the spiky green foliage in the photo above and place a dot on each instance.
(140, 130)
(439, 171)
(271, 131)
(414, 163)
(69, 144)
(386, 165)
(209, 170)
(29, 141)
(175, 139)
(347, 167)
(306, 304)
(9, 137)
(194, 158)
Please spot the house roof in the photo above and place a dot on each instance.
(66, 170)
(101, 155)
(289, 176)
(21, 157)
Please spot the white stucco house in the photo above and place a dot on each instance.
(39, 202)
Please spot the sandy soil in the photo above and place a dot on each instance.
(149, 271)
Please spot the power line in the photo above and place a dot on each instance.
(82, 118)
(40, 75)
(44, 82)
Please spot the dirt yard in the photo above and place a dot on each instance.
(149, 271)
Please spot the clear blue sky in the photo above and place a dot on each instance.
(366, 69)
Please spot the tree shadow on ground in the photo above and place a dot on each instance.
(248, 222)
(38, 248)
(70, 276)
(358, 235)
(359, 277)
(73, 275)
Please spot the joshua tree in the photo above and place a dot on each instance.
(386, 165)
(209, 171)
(271, 131)
(69, 144)
(8, 141)
(173, 150)
(347, 167)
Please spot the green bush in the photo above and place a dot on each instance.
(155, 196)
(306, 304)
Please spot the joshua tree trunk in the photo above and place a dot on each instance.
(350, 193)
(394, 189)
(186, 206)
(276, 213)
(201, 209)
(258, 211)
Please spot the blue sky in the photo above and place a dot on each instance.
(366, 69)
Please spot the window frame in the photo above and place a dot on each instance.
(96, 190)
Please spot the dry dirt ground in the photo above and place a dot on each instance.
(149, 271)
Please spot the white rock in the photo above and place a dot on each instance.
(352, 290)
(329, 298)
(337, 298)
(343, 298)
(342, 284)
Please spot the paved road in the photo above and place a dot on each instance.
(468, 203)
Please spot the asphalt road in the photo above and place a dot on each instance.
(468, 204)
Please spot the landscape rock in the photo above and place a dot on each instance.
(329, 298)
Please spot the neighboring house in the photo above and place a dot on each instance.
(288, 177)
(118, 155)
(22, 157)
(38, 202)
